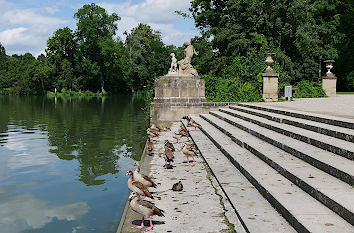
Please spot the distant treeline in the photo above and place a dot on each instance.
(234, 36)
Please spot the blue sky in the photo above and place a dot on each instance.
(25, 25)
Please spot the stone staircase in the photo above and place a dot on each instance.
(281, 170)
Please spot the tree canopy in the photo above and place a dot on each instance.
(234, 36)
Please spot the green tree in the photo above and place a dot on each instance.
(3, 66)
(148, 54)
(61, 53)
(94, 29)
(299, 30)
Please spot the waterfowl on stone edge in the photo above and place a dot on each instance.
(188, 152)
(136, 186)
(169, 145)
(145, 208)
(177, 186)
(150, 146)
(169, 156)
(145, 180)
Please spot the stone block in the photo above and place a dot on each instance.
(329, 85)
(270, 86)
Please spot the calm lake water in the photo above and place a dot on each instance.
(63, 162)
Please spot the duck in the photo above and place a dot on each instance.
(145, 180)
(169, 145)
(188, 152)
(177, 186)
(136, 186)
(169, 156)
(150, 146)
(145, 208)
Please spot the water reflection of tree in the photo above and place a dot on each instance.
(86, 130)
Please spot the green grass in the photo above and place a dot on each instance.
(345, 93)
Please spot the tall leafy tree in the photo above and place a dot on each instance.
(95, 28)
(61, 53)
(148, 54)
(297, 30)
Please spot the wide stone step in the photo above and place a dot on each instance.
(331, 120)
(253, 211)
(302, 211)
(329, 130)
(330, 191)
(333, 164)
(337, 146)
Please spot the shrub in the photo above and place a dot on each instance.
(350, 81)
(307, 89)
(232, 89)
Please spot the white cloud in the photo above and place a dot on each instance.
(27, 30)
(30, 17)
(159, 14)
(26, 212)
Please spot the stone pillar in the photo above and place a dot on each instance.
(270, 80)
(329, 81)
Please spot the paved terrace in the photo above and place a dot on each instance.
(340, 105)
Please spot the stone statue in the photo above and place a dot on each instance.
(184, 66)
(173, 69)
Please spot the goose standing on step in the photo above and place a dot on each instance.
(145, 208)
(177, 137)
(169, 156)
(169, 145)
(188, 152)
(150, 146)
(137, 187)
(145, 180)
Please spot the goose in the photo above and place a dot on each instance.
(169, 156)
(145, 208)
(150, 146)
(136, 186)
(145, 180)
(188, 152)
(153, 127)
(177, 186)
(169, 145)
(177, 137)
(151, 133)
(166, 129)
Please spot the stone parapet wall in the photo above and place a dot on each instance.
(168, 112)
(179, 87)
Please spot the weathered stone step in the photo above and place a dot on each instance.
(331, 120)
(303, 212)
(330, 191)
(337, 146)
(329, 130)
(253, 211)
(333, 164)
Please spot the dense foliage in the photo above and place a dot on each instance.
(300, 32)
(234, 36)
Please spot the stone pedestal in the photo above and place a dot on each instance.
(270, 86)
(329, 85)
(177, 96)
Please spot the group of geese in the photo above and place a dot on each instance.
(139, 183)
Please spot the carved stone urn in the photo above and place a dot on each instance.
(270, 80)
(329, 66)
(329, 81)
(269, 61)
